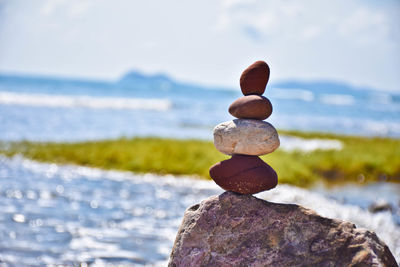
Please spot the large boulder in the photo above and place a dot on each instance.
(242, 230)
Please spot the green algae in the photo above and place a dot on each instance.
(362, 159)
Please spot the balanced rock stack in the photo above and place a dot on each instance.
(247, 137)
(241, 230)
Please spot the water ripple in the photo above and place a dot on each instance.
(53, 214)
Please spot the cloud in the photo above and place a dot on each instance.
(71, 8)
(232, 4)
(346, 40)
(294, 21)
(267, 18)
(207, 41)
(311, 32)
(365, 25)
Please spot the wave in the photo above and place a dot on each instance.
(45, 100)
(336, 99)
(138, 206)
(338, 124)
(291, 143)
(298, 94)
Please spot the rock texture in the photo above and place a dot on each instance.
(245, 136)
(241, 230)
(244, 174)
(251, 107)
(254, 79)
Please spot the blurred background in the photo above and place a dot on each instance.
(85, 70)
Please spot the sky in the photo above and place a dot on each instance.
(209, 42)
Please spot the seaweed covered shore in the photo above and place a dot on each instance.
(361, 159)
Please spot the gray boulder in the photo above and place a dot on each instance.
(242, 230)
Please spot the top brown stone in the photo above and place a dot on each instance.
(254, 79)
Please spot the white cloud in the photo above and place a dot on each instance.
(79, 8)
(204, 41)
(50, 6)
(229, 4)
(293, 20)
(365, 25)
(270, 19)
(71, 8)
(311, 32)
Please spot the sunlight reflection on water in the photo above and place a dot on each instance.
(55, 214)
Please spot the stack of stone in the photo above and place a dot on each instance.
(247, 137)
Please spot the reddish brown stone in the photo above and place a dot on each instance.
(254, 79)
(251, 107)
(244, 174)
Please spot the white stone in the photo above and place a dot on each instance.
(246, 136)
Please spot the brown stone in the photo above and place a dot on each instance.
(251, 107)
(242, 230)
(244, 174)
(254, 79)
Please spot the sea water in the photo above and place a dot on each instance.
(68, 110)
(54, 214)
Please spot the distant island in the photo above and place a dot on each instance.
(320, 86)
(140, 80)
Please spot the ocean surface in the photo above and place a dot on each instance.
(137, 105)
(55, 214)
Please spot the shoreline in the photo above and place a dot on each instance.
(358, 159)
